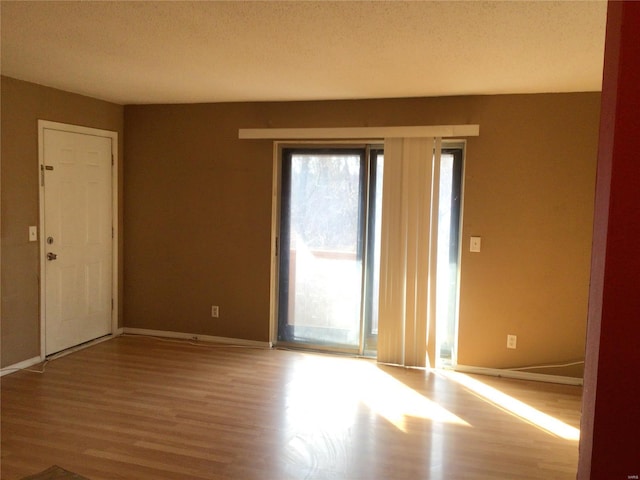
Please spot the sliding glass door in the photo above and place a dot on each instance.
(326, 217)
(329, 249)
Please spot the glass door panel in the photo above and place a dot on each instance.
(448, 254)
(321, 247)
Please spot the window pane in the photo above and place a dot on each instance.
(448, 241)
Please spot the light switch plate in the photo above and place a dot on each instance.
(33, 233)
(474, 245)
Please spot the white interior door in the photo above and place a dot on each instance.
(77, 234)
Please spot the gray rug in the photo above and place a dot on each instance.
(55, 473)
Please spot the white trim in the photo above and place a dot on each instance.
(275, 254)
(82, 346)
(517, 374)
(359, 132)
(20, 365)
(195, 336)
(116, 234)
(42, 126)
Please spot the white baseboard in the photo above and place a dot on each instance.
(137, 331)
(82, 346)
(518, 374)
(20, 365)
(195, 336)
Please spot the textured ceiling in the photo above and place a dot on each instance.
(185, 52)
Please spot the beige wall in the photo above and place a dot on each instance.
(197, 205)
(23, 104)
(198, 216)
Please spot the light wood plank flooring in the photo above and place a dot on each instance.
(142, 408)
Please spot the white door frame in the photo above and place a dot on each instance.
(48, 125)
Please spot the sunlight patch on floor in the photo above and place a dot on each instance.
(312, 398)
(515, 407)
(395, 401)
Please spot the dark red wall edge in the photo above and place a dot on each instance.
(610, 429)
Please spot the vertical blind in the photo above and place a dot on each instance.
(406, 329)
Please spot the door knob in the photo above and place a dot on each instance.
(51, 256)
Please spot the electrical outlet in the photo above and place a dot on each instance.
(215, 311)
(512, 341)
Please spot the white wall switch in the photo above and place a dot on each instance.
(33, 234)
(512, 341)
(475, 244)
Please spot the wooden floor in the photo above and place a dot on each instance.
(141, 408)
